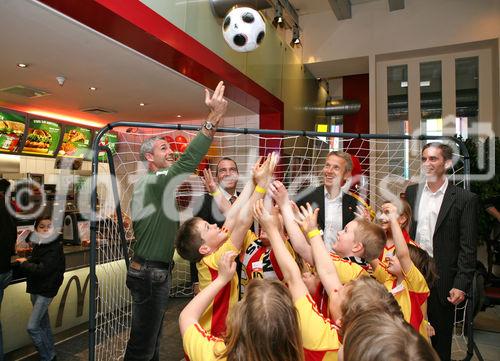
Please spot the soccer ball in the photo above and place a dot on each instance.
(243, 29)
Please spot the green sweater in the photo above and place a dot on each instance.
(154, 214)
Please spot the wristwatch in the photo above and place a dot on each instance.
(208, 125)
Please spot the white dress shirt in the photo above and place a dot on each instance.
(428, 211)
(333, 219)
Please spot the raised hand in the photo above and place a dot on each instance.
(362, 212)
(209, 181)
(262, 173)
(279, 193)
(227, 266)
(216, 103)
(308, 218)
(266, 219)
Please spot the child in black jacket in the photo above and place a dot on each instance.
(45, 273)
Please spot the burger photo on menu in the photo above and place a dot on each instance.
(38, 141)
(10, 134)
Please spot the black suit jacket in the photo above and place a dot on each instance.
(317, 199)
(455, 236)
(208, 210)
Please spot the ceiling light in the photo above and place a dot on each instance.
(22, 65)
(142, 104)
(295, 36)
(278, 16)
(179, 116)
(93, 88)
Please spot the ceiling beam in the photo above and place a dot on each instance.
(341, 8)
(396, 5)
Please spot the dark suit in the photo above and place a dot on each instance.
(316, 198)
(454, 249)
(208, 210)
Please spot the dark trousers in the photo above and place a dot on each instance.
(441, 318)
(150, 289)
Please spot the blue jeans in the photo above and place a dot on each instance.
(4, 282)
(150, 289)
(39, 327)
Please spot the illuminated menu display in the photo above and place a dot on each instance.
(110, 140)
(43, 137)
(76, 142)
(11, 131)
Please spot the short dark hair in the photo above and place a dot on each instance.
(43, 217)
(188, 240)
(225, 158)
(424, 263)
(446, 150)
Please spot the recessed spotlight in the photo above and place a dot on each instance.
(93, 88)
(22, 65)
(179, 116)
(142, 104)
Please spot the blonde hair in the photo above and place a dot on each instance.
(378, 336)
(372, 237)
(345, 156)
(365, 294)
(264, 326)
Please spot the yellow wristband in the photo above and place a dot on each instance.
(313, 233)
(259, 189)
(216, 193)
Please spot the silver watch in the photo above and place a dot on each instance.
(209, 125)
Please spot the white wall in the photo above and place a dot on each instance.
(422, 24)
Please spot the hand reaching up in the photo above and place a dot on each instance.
(262, 173)
(216, 102)
(227, 266)
(391, 211)
(266, 219)
(307, 218)
(362, 212)
(209, 181)
(279, 193)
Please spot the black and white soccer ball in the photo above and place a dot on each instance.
(243, 29)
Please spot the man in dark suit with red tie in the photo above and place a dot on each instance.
(445, 225)
(336, 208)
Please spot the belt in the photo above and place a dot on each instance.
(139, 263)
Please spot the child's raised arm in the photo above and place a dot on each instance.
(299, 242)
(399, 240)
(324, 265)
(288, 266)
(262, 175)
(194, 309)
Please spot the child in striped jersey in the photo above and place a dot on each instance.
(320, 335)
(399, 274)
(203, 243)
(263, 326)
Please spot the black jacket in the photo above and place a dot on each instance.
(8, 235)
(207, 210)
(454, 239)
(45, 269)
(316, 198)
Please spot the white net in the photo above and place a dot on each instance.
(382, 170)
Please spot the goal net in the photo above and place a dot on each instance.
(382, 168)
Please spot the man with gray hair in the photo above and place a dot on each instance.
(149, 275)
(336, 208)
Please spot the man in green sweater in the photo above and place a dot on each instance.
(155, 226)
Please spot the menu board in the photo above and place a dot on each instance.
(43, 137)
(109, 140)
(76, 142)
(11, 131)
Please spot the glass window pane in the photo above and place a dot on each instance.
(467, 95)
(397, 112)
(431, 104)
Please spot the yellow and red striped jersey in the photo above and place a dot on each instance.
(201, 345)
